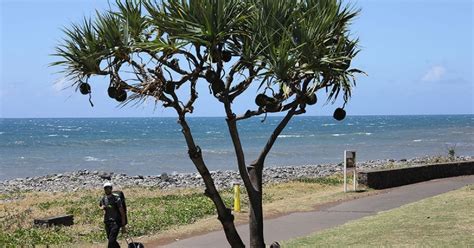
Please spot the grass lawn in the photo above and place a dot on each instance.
(446, 220)
(154, 214)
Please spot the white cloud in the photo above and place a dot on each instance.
(434, 74)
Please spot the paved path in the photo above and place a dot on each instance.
(303, 224)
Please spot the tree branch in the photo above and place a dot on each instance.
(263, 154)
(224, 213)
(163, 60)
(243, 85)
(251, 113)
(234, 134)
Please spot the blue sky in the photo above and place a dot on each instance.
(418, 54)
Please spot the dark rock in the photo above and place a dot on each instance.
(62, 220)
(164, 176)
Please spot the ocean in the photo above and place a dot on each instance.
(151, 146)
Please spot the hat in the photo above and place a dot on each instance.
(107, 184)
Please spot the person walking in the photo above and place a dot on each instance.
(114, 215)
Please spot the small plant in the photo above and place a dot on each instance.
(452, 152)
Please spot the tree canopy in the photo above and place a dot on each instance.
(289, 49)
(292, 47)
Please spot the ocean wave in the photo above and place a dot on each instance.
(328, 124)
(338, 134)
(213, 132)
(93, 159)
(112, 141)
(70, 129)
(290, 136)
(2, 132)
(53, 135)
(362, 133)
(417, 140)
(19, 142)
(215, 151)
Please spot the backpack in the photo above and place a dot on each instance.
(120, 194)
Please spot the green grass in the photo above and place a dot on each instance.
(332, 180)
(446, 220)
(148, 214)
(151, 211)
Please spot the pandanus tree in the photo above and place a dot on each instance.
(162, 50)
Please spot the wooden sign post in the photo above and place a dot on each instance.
(350, 164)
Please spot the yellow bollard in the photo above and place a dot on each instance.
(236, 197)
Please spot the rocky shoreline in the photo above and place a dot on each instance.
(84, 179)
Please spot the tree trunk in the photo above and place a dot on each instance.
(256, 211)
(224, 214)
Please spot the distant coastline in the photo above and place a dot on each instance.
(84, 179)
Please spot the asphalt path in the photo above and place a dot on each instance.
(305, 223)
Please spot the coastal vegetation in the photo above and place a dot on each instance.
(445, 220)
(288, 50)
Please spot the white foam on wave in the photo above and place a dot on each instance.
(70, 129)
(328, 124)
(362, 133)
(417, 140)
(215, 151)
(337, 134)
(2, 132)
(19, 142)
(211, 132)
(290, 136)
(93, 159)
(53, 135)
(112, 141)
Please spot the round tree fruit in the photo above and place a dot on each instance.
(85, 88)
(112, 91)
(121, 95)
(226, 56)
(211, 76)
(312, 99)
(261, 100)
(339, 114)
(274, 106)
(217, 86)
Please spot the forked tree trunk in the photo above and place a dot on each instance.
(256, 177)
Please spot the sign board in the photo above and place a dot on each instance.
(350, 164)
(349, 159)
